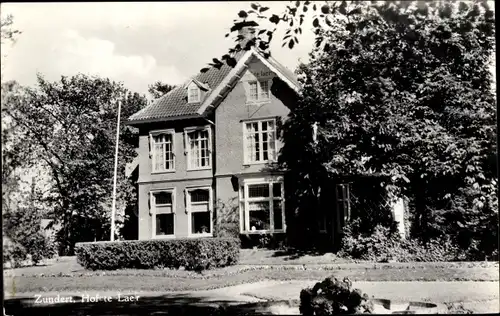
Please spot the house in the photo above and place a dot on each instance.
(207, 151)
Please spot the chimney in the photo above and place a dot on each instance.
(247, 33)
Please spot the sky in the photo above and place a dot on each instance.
(135, 43)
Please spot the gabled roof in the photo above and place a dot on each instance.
(174, 105)
(201, 85)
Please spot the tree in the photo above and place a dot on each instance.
(159, 89)
(323, 14)
(405, 90)
(14, 154)
(23, 227)
(7, 33)
(70, 127)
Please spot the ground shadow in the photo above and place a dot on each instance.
(292, 253)
(178, 304)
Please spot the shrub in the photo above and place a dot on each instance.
(435, 250)
(384, 245)
(227, 230)
(332, 297)
(226, 219)
(14, 253)
(40, 247)
(374, 247)
(23, 227)
(192, 254)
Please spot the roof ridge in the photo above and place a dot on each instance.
(174, 103)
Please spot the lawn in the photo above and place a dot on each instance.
(255, 265)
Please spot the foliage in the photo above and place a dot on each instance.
(332, 297)
(322, 16)
(370, 206)
(411, 99)
(385, 245)
(372, 246)
(7, 32)
(14, 253)
(192, 254)
(457, 308)
(23, 228)
(14, 156)
(159, 89)
(226, 220)
(70, 128)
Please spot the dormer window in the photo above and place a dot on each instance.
(194, 94)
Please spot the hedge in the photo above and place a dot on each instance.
(192, 254)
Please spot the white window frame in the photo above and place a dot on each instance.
(258, 83)
(187, 146)
(189, 211)
(343, 200)
(154, 133)
(244, 201)
(191, 87)
(152, 210)
(271, 158)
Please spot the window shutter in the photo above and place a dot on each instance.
(150, 142)
(210, 200)
(186, 200)
(185, 143)
(174, 199)
(150, 204)
(209, 129)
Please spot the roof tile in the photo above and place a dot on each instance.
(174, 103)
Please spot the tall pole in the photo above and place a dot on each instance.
(113, 207)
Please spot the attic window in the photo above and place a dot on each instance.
(194, 94)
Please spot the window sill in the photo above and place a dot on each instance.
(256, 232)
(164, 236)
(247, 164)
(200, 235)
(161, 172)
(198, 169)
(258, 103)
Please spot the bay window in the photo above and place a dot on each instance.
(262, 206)
(259, 141)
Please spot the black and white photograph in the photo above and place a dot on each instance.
(249, 158)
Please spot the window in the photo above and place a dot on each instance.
(198, 143)
(258, 90)
(194, 94)
(199, 209)
(262, 206)
(163, 212)
(259, 141)
(343, 199)
(162, 147)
